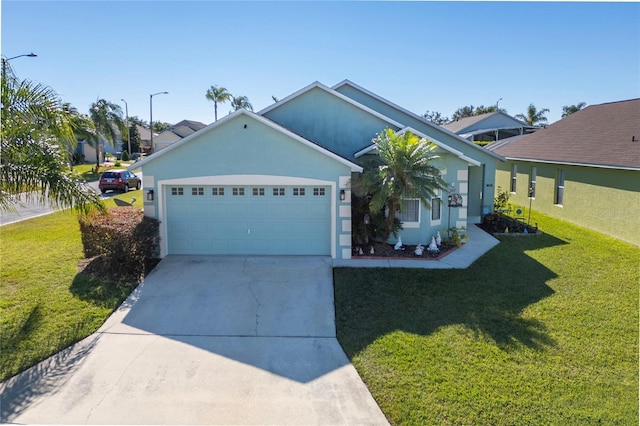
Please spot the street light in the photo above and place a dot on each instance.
(153, 148)
(497, 104)
(126, 108)
(6, 60)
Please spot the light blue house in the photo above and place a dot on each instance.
(277, 181)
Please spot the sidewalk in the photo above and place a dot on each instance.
(479, 243)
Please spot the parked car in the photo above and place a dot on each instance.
(118, 180)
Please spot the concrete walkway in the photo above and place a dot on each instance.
(206, 340)
(479, 243)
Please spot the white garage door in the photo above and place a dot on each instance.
(269, 220)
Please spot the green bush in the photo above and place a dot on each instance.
(124, 242)
(125, 156)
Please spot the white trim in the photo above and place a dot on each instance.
(568, 163)
(415, 116)
(412, 224)
(248, 114)
(245, 180)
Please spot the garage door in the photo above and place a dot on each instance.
(248, 220)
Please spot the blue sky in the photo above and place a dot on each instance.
(436, 56)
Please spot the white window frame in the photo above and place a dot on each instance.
(439, 219)
(559, 193)
(411, 224)
(514, 179)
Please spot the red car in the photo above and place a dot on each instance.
(118, 180)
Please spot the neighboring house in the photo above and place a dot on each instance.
(491, 126)
(145, 138)
(584, 169)
(175, 133)
(277, 181)
(88, 151)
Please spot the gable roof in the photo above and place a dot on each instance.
(420, 119)
(605, 135)
(243, 112)
(184, 128)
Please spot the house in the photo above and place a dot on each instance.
(175, 133)
(87, 151)
(277, 181)
(491, 126)
(584, 168)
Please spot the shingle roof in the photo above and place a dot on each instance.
(463, 123)
(605, 135)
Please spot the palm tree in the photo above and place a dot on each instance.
(36, 137)
(217, 94)
(106, 117)
(568, 110)
(402, 170)
(533, 117)
(240, 102)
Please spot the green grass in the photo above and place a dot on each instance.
(45, 305)
(542, 330)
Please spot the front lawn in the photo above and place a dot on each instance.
(45, 305)
(542, 330)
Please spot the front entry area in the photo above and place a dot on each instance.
(248, 219)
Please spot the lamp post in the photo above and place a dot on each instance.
(126, 109)
(153, 148)
(6, 60)
(497, 104)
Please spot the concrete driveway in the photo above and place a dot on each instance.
(206, 340)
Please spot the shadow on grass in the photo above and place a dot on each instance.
(99, 292)
(487, 298)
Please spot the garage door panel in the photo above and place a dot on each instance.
(249, 224)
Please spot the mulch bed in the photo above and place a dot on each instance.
(387, 251)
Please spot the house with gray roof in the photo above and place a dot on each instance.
(491, 126)
(584, 168)
(175, 133)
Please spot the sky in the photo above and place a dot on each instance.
(423, 56)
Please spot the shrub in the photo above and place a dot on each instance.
(124, 243)
(501, 200)
(125, 156)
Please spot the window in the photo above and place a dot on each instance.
(559, 198)
(436, 208)
(298, 191)
(532, 182)
(409, 211)
(177, 191)
(197, 191)
(238, 191)
(318, 192)
(217, 191)
(514, 177)
(258, 191)
(278, 192)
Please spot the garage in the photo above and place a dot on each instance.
(248, 219)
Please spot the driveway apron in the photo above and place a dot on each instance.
(206, 340)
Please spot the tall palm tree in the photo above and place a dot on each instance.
(403, 169)
(534, 117)
(217, 94)
(240, 102)
(106, 117)
(36, 137)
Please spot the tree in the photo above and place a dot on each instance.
(36, 138)
(402, 170)
(470, 111)
(533, 116)
(217, 95)
(240, 102)
(159, 126)
(135, 138)
(568, 110)
(106, 117)
(435, 117)
(137, 120)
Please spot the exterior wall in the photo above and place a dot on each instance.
(496, 121)
(330, 121)
(256, 154)
(455, 172)
(482, 198)
(604, 200)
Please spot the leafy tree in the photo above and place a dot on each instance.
(159, 126)
(135, 138)
(240, 102)
(436, 117)
(137, 120)
(568, 110)
(403, 169)
(470, 111)
(36, 138)
(217, 95)
(533, 116)
(106, 117)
